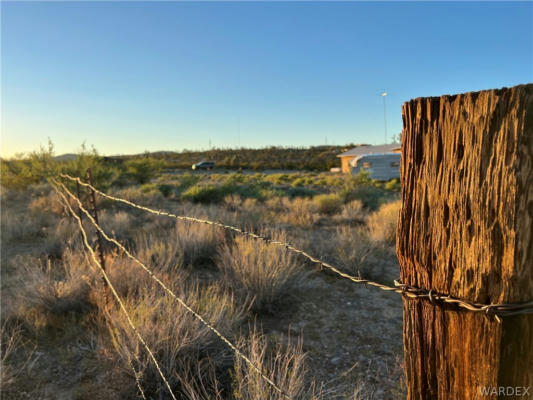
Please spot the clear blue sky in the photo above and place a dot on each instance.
(131, 76)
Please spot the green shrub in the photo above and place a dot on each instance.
(19, 173)
(165, 190)
(187, 180)
(300, 192)
(328, 203)
(370, 196)
(393, 185)
(205, 193)
(361, 187)
(142, 170)
(299, 182)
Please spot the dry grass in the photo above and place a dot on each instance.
(47, 203)
(284, 365)
(119, 224)
(17, 226)
(12, 341)
(383, 222)
(328, 203)
(353, 211)
(137, 195)
(356, 253)
(260, 271)
(185, 349)
(48, 289)
(61, 290)
(197, 243)
(300, 211)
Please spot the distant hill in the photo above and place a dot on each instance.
(66, 157)
(317, 158)
(309, 158)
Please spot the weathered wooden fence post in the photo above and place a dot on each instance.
(466, 230)
(99, 245)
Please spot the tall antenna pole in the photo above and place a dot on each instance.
(384, 95)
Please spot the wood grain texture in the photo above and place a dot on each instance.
(465, 229)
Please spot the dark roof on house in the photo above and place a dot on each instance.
(361, 150)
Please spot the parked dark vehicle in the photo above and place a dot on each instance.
(203, 165)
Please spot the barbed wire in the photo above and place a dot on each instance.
(171, 293)
(496, 310)
(113, 291)
(136, 374)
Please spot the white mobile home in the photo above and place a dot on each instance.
(380, 166)
(364, 149)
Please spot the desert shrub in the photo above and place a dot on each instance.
(382, 223)
(284, 365)
(197, 243)
(50, 202)
(50, 289)
(136, 194)
(184, 347)
(257, 270)
(300, 192)
(18, 226)
(300, 211)
(65, 233)
(188, 244)
(116, 223)
(233, 202)
(206, 193)
(166, 190)
(369, 195)
(328, 203)
(39, 165)
(298, 182)
(142, 170)
(12, 341)
(355, 252)
(353, 211)
(186, 180)
(275, 204)
(393, 185)
(278, 179)
(26, 170)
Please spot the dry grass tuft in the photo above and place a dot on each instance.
(260, 271)
(299, 212)
(383, 222)
(328, 203)
(48, 289)
(186, 350)
(356, 253)
(117, 223)
(47, 203)
(353, 211)
(285, 366)
(17, 227)
(197, 243)
(15, 359)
